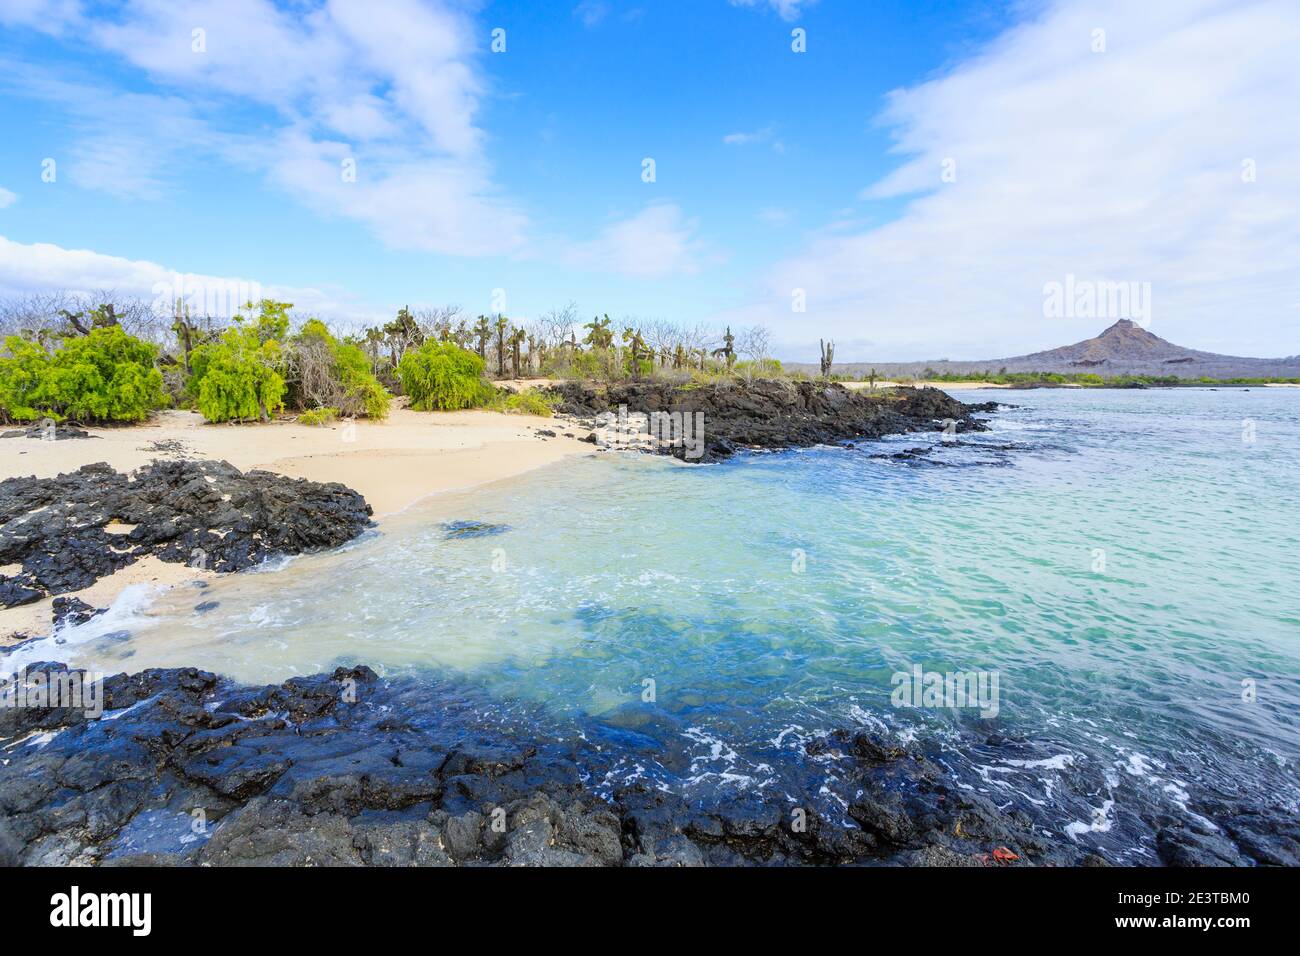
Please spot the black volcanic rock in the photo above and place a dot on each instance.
(351, 769)
(773, 413)
(70, 610)
(322, 771)
(202, 512)
(56, 433)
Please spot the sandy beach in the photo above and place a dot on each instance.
(392, 463)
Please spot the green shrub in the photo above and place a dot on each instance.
(106, 376)
(530, 402)
(238, 377)
(442, 376)
(334, 374)
(22, 370)
(318, 417)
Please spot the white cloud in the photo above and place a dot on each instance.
(127, 143)
(44, 267)
(1122, 165)
(591, 12)
(747, 139)
(786, 9)
(7, 198)
(48, 16)
(390, 83)
(657, 242)
(434, 204)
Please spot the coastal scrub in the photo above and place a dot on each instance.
(104, 376)
(441, 376)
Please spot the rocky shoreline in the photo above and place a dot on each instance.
(62, 534)
(186, 768)
(772, 414)
(351, 769)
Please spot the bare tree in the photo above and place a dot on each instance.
(62, 314)
(754, 342)
(560, 324)
(439, 322)
(30, 312)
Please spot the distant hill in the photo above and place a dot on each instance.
(1123, 349)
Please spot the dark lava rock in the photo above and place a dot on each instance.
(1180, 846)
(774, 413)
(205, 606)
(73, 611)
(183, 511)
(347, 769)
(472, 529)
(907, 454)
(58, 433)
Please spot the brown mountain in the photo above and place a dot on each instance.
(1123, 349)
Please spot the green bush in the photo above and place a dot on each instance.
(238, 377)
(22, 370)
(530, 402)
(442, 376)
(334, 374)
(106, 376)
(318, 417)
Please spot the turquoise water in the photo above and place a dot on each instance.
(771, 599)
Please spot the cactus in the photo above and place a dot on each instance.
(828, 357)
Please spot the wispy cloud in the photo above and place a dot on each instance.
(786, 9)
(764, 135)
(748, 139)
(591, 12)
(657, 242)
(390, 84)
(7, 198)
(45, 267)
(1161, 160)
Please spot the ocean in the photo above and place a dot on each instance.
(1114, 574)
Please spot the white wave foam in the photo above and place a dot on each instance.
(127, 613)
(1101, 822)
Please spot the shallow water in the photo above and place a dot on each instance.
(695, 626)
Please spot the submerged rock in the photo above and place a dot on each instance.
(68, 610)
(69, 531)
(471, 529)
(773, 413)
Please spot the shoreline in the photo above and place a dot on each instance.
(385, 467)
(263, 761)
(394, 464)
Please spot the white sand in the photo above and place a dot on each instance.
(393, 464)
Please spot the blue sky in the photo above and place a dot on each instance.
(775, 171)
